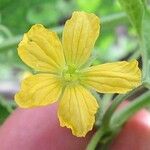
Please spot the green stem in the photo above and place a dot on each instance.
(95, 140)
(105, 128)
(104, 103)
(10, 43)
(6, 31)
(116, 102)
(104, 146)
(113, 20)
(119, 118)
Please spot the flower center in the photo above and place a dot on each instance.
(70, 75)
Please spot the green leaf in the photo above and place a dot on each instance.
(134, 10)
(39, 14)
(3, 113)
(140, 18)
(4, 3)
(146, 30)
(145, 46)
(14, 13)
(6, 108)
(89, 6)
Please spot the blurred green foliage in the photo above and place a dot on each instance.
(20, 15)
(5, 108)
(117, 38)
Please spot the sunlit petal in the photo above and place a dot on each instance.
(77, 110)
(41, 49)
(79, 36)
(38, 90)
(118, 77)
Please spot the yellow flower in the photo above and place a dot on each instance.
(62, 74)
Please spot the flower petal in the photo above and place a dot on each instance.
(77, 110)
(41, 49)
(79, 36)
(119, 77)
(38, 90)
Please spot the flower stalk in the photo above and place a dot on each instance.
(113, 124)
